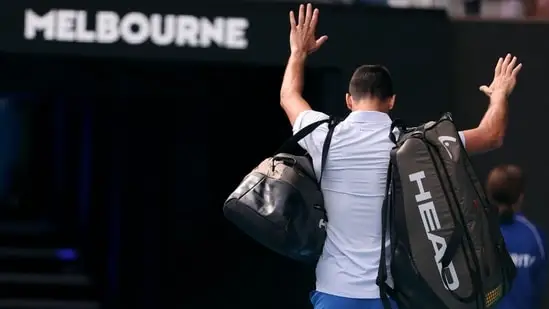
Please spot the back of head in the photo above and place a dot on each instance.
(505, 186)
(371, 81)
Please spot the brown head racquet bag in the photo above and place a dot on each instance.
(447, 251)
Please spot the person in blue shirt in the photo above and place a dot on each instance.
(525, 242)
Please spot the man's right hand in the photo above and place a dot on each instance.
(302, 32)
(505, 77)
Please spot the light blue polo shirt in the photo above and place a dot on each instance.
(353, 185)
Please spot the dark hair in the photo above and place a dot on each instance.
(505, 184)
(372, 81)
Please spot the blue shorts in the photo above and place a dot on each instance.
(326, 301)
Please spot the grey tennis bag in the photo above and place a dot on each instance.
(280, 205)
(447, 251)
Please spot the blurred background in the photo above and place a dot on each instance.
(123, 129)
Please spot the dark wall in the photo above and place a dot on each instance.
(73, 140)
(475, 59)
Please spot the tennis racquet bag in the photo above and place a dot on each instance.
(280, 204)
(446, 249)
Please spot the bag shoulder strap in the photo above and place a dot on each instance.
(326, 146)
(332, 123)
(384, 289)
(300, 135)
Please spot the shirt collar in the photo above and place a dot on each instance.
(369, 116)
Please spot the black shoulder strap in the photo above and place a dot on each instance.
(332, 123)
(300, 135)
(326, 147)
(385, 290)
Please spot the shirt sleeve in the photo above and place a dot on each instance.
(313, 142)
(462, 137)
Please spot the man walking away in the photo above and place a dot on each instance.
(353, 182)
(524, 241)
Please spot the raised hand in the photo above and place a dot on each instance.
(302, 31)
(505, 76)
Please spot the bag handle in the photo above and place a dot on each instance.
(399, 124)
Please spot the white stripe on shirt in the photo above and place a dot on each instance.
(534, 231)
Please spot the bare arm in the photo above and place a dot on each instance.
(491, 130)
(291, 99)
(302, 43)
